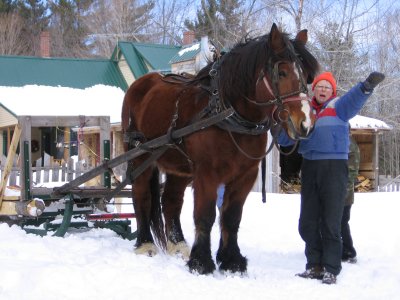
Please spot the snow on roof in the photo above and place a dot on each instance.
(361, 122)
(188, 49)
(34, 100)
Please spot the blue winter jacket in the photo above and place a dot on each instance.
(330, 137)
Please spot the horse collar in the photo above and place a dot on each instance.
(234, 123)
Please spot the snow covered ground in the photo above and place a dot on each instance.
(98, 264)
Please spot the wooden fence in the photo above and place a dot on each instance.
(388, 184)
(53, 171)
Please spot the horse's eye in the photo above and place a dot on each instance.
(282, 74)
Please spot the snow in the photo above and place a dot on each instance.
(362, 122)
(98, 264)
(35, 100)
(194, 47)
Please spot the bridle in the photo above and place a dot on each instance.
(279, 100)
(239, 124)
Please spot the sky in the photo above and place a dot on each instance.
(99, 264)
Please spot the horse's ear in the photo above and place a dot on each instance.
(302, 36)
(276, 39)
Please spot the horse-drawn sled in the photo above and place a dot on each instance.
(206, 130)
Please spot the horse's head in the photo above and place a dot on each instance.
(283, 82)
(265, 81)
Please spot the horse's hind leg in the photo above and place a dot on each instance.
(145, 204)
(172, 201)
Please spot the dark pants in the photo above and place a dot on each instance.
(348, 248)
(323, 190)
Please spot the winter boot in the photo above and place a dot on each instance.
(312, 273)
(329, 278)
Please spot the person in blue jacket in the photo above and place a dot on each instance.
(324, 173)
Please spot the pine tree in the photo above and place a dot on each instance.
(36, 19)
(7, 6)
(68, 32)
(220, 20)
(336, 53)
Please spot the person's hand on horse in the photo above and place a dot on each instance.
(373, 80)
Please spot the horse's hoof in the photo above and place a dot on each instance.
(148, 249)
(198, 267)
(180, 249)
(239, 265)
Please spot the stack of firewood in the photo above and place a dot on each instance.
(293, 187)
(362, 184)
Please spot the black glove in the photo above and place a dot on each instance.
(372, 81)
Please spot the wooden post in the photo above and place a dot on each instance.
(9, 162)
(25, 154)
(105, 147)
(375, 161)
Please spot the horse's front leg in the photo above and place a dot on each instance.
(229, 257)
(204, 216)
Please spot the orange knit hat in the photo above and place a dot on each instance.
(328, 77)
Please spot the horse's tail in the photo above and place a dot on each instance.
(125, 115)
(127, 122)
(156, 220)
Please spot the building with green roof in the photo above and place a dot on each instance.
(128, 62)
(137, 59)
(191, 58)
(66, 72)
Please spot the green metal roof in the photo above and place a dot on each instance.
(75, 73)
(186, 53)
(141, 56)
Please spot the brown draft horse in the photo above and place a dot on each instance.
(264, 81)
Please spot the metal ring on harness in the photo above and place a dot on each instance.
(212, 72)
(280, 117)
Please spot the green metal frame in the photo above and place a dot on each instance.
(107, 156)
(121, 227)
(27, 178)
(66, 221)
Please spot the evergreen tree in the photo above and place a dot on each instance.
(7, 6)
(336, 53)
(36, 19)
(68, 32)
(220, 20)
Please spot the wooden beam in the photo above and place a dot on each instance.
(64, 121)
(9, 162)
(8, 209)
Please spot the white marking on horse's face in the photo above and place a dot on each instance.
(296, 71)
(306, 108)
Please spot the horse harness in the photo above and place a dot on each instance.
(237, 123)
(234, 122)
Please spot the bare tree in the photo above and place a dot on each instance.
(385, 56)
(114, 20)
(168, 21)
(10, 34)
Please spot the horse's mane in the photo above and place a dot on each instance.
(237, 68)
